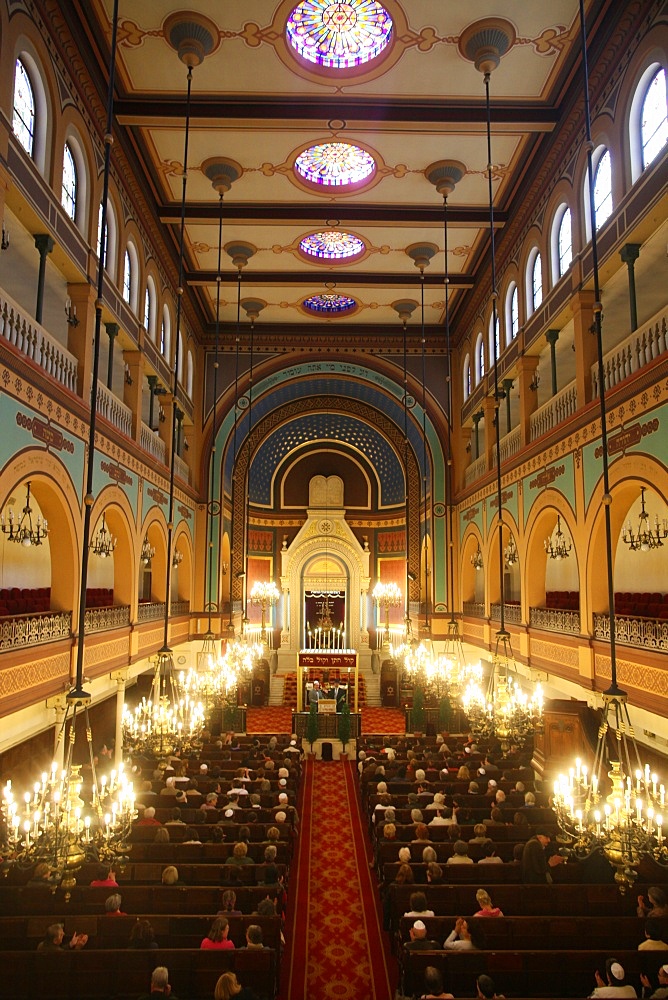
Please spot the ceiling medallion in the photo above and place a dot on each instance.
(335, 164)
(329, 304)
(339, 35)
(332, 245)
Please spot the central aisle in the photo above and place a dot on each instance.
(335, 946)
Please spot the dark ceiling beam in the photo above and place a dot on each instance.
(348, 278)
(362, 338)
(143, 111)
(319, 213)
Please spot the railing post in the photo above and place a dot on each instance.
(526, 366)
(80, 338)
(584, 340)
(133, 389)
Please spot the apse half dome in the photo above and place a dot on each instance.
(335, 164)
(339, 35)
(329, 304)
(332, 245)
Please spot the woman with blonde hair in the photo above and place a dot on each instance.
(170, 876)
(487, 908)
(228, 986)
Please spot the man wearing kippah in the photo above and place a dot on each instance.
(661, 992)
(419, 940)
(616, 985)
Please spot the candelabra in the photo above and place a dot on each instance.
(645, 538)
(147, 552)
(477, 560)
(510, 554)
(556, 545)
(264, 594)
(103, 544)
(23, 531)
(386, 596)
(168, 720)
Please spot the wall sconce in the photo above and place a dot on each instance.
(5, 238)
(128, 376)
(225, 566)
(161, 415)
(71, 312)
(536, 381)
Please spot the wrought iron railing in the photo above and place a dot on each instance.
(33, 629)
(651, 633)
(151, 611)
(32, 340)
(473, 609)
(511, 613)
(101, 619)
(179, 608)
(555, 620)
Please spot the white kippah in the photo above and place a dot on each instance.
(283, 797)
(419, 925)
(280, 817)
(664, 969)
(293, 743)
(617, 970)
(282, 782)
(229, 813)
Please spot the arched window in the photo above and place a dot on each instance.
(163, 337)
(494, 338)
(165, 332)
(127, 277)
(147, 310)
(479, 358)
(653, 121)
(179, 367)
(190, 374)
(109, 239)
(23, 120)
(534, 282)
(68, 196)
(150, 308)
(513, 313)
(101, 244)
(467, 377)
(603, 189)
(565, 243)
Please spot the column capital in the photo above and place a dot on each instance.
(552, 336)
(120, 676)
(477, 417)
(630, 253)
(44, 243)
(152, 381)
(113, 329)
(507, 384)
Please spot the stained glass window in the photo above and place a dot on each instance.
(127, 276)
(339, 35)
(565, 242)
(514, 313)
(68, 197)
(653, 123)
(23, 121)
(329, 303)
(536, 282)
(603, 189)
(332, 245)
(335, 164)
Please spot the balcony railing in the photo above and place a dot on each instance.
(633, 353)
(179, 608)
(511, 613)
(113, 409)
(473, 609)
(647, 632)
(32, 340)
(33, 629)
(181, 469)
(152, 443)
(509, 446)
(102, 619)
(475, 470)
(151, 611)
(554, 412)
(555, 620)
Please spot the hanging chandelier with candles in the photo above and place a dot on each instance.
(23, 532)
(104, 543)
(644, 537)
(264, 594)
(557, 545)
(147, 552)
(510, 554)
(170, 720)
(386, 596)
(477, 560)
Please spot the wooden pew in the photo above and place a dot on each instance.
(103, 975)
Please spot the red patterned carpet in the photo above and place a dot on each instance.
(336, 949)
(276, 719)
(383, 720)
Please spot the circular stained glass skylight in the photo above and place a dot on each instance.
(335, 164)
(339, 35)
(331, 245)
(329, 304)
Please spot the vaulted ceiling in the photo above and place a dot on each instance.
(257, 104)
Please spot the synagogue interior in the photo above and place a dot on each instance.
(333, 351)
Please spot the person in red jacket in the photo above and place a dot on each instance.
(217, 939)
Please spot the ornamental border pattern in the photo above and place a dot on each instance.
(25, 676)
